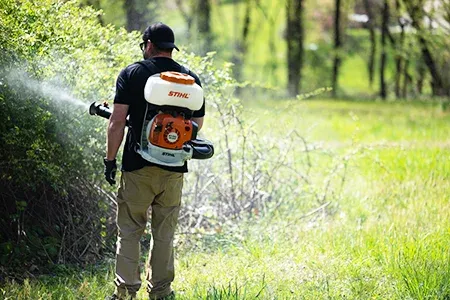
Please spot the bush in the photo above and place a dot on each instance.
(255, 172)
(51, 186)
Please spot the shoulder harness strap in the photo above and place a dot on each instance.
(133, 136)
(185, 70)
(153, 69)
(149, 65)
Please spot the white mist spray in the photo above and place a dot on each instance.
(57, 94)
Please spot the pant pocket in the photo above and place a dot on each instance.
(173, 188)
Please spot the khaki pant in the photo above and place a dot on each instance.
(140, 190)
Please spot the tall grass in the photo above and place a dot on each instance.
(385, 237)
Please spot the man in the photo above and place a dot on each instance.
(144, 185)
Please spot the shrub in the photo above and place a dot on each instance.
(255, 172)
(51, 188)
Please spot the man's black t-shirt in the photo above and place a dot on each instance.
(130, 91)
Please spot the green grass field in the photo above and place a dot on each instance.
(387, 237)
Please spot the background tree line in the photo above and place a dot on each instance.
(296, 45)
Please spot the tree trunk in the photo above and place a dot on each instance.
(245, 28)
(399, 50)
(188, 18)
(138, 14)
(241, 44)
(416, 12)
(421, 78)
(406, 79)
(337, 47)
(204, 23)
(271, 18)
(438, 84)
(384, 35)
(294, 37)
(398, 76)
(373, 42)
(399, 61)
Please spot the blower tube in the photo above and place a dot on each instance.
(202, 149)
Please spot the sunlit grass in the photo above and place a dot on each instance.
(342, 122)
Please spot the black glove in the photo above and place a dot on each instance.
(110, 170)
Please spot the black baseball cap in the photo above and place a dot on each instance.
(161, 35)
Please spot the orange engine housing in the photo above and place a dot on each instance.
(171, 132)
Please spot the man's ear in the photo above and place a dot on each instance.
(149, 46)
(148, 49)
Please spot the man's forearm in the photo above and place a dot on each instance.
(116, 130)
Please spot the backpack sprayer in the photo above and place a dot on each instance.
(168, 138)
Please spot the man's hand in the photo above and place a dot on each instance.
(110, 170)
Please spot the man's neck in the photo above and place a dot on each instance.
(168, 55)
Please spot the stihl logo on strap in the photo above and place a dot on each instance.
(168, 154)
(178, 94)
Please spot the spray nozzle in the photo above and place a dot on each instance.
(102, 110)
